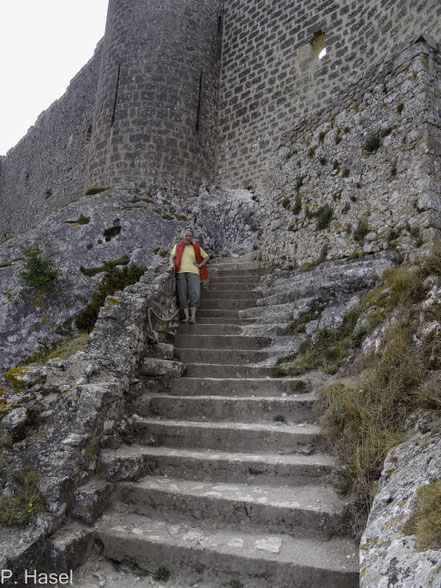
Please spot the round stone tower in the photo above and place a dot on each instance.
(156, 106)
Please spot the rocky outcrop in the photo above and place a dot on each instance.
(81, 410)
(114, 226)
(388, 556)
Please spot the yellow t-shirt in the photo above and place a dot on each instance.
(188, 259)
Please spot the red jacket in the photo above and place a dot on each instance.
(203, 271)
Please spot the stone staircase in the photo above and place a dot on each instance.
(237, 492)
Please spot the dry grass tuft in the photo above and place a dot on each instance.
(26, 501)
(363, 422)
(425, 521)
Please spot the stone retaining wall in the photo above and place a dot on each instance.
(364, 175)
(271, 77)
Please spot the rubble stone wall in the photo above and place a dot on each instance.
(364, 175)
(271, 78)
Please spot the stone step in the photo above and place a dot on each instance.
(210, 370)
(216, 317)
(221, 356)
(292, 409)
(203, 342)
(227, 436)
(218, 312)
(303, 511)
(235, 271)
(210, 329)
(238, 386)
(257, 559)
(221, 293)
(205, 326)
(227, 304)
(135, 461)
(233, 264)
(236, 281)
(219, 283)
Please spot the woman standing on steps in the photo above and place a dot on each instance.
(189, 261)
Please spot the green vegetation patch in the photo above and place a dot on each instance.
(71, 346)
(37, 271)
(25, 501)
(324, 216)
(96, 190)
(15, 377)
(363, 422)
(425, 521)
(432, 263)
(297, 205)
(361, 230)
(330, 347)
(81, 220)
(136, 199)
(93, 271)
(113, 280)
(299, 182)
(372, 143)
(111, 232)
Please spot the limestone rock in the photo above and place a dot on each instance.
(32, 320)
(90, 501)
(388, 556)
(153, 366)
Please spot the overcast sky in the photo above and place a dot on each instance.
(43, 44)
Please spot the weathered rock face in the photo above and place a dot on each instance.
(228, 220)
(81, 409)
(388, 556)
(364, 175)
(114, 226)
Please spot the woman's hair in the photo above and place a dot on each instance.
(187, 229)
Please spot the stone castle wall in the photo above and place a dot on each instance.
(177, 96)
(157, 98)
(270, 78)
(363, 176)
(46, 169)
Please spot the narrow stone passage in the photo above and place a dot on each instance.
(238, 486)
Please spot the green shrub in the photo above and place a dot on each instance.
(95, 190)
(37, 271)
(83, 220)
(299, 182)
(113, 280)
(111, 232)
(361, 230)
(324, 217)
(93, 271)
(297, 205)
(372, 143)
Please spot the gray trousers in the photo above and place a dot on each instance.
(189, 289)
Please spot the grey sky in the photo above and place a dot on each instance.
(43, 44)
